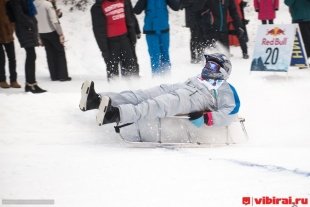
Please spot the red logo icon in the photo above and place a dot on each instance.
(276, 31)
(246, 200)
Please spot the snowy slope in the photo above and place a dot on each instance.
(49, 149)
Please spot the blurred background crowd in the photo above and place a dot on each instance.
(116, 30)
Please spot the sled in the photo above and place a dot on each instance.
(180, 132)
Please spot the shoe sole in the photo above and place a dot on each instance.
(102, 109)
(84, 94)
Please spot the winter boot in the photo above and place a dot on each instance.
(33, 88)
(15, 84)
(65, 79)
(4, 84)
(245, 56)
(89, 98)
(107, 113)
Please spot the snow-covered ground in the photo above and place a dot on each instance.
(49, 149)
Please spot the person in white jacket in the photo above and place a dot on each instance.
(207, 98)
(53, 39)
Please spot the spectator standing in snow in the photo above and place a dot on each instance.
(53, 39)
(114, 27)
(156, 28)
(216, 12)
(208, 99)
(193, 22)
(266, 10)
(23, 12)
(300, 12)
(235, 38)
(7, 46)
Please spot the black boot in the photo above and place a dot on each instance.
(107, 113)
(33, 88)
(245, 56)
(65, 79)
(89, 98)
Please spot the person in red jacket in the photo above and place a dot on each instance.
(114, 27)
(266, 10)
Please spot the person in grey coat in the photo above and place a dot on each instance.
(53, 39)
(207, 99)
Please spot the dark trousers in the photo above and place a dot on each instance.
(56, 56)
(123, 69)
(305, 33)
(10, 52)
(266, 21)
(242, 40)
(197, 44)
(222, 37)
(121, 52)
(30, 65)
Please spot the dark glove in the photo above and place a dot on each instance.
(132, 37)
(244, 4)
(195, 115)
(59, 13)
(138, 36)
(198, 119)
(257, 10)
(246, 21)
(240, 32)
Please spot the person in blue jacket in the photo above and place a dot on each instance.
(156, 28)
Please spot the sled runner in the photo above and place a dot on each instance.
(179, 132)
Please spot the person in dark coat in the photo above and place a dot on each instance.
(193, 22)
(234, 38)
(300, 12)
(7, 46)
(156, 28)
(116, 39)
(215, 13)
(23, 12)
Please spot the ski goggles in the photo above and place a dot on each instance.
(213, 67)
(212, 70)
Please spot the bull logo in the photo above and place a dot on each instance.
(276, 31)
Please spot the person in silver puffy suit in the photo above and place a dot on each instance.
(206, 99)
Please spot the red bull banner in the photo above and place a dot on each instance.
(274, 47)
